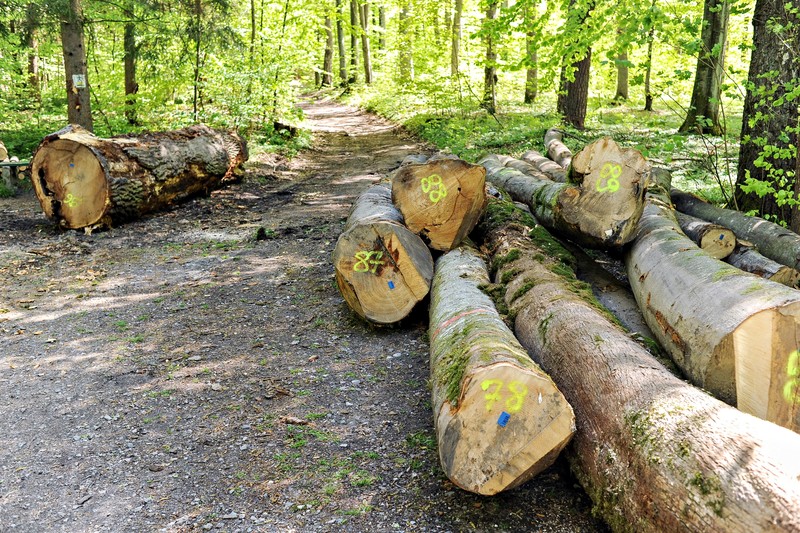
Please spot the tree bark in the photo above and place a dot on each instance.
(550, 168)
(83, 181)
(79, 109)
(746, 257)
(32, 17)
(327, 62)
(499, 419)
(197, 35)
(531, 60)
(703, 114)
(651, 37)
(600, 204)
(714, 239)
(489, 101)
(406, 53)
(382, 269)
(772, 240)
(654, 453)
(732, 333)
(364, 15)
(455, 46)
(622, 76)
(340, 42)
(556, 148)
(131, 85)
(573, 96)
(354, 29)
(441, 200)
(769, 118)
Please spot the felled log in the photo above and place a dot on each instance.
(84, 181)
(600, 205)
(654, 453)
(499, 419)
(549, 167)
(382, 268)
(715, 240)
(556, 149)
(746, 257)
(440, 200)
(730, 332)
(522, 166)
(772, 240)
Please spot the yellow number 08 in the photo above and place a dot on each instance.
(434, 188)
(513, 404)
(609, 174)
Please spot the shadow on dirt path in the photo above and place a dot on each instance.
(178, 374)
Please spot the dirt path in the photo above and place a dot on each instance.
(150, 375)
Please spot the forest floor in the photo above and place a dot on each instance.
(178, 374)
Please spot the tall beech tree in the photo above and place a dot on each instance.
(455, 41)
(79, 110)
(489, 101)
(703, 114)
(769, 140)
(573, 92)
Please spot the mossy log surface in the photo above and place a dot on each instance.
(746, 257)
(654, 453)
(731, 332)
(717, 241)
(83, 181)
(600, 205)
(556, 149)
(771, 240)
(441, 200)
(499, 419)
(549, 167)
(382, 268)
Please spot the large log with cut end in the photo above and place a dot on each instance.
(731, 332)
(499, 419)
(440, 200)
(600, 205)
(83, 181)
(654, 453)
(717, 241)
(382, 269)
(746, 257)
(772, 240)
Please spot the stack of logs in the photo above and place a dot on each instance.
(654, 452)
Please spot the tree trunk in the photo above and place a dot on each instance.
(32, 17)
(327, 62)
(405, 54)
(772, 240)
(622, 76)
(197, 34)
(573, 96)
(441, 200)
(83, 181)
(550, 168)
(354, 29)
(455, 47)
(714, 239)
(489, 101)
(499, 419)
(648, 94)
(703, 115)
(746, 257)
(556, 149)
(531, 60)
(79, 109)
(769, 118)
(732, 333)
(599, 206)
(364, 14)
(654, 453)
(382, 26)
(382, 269)
(131, 85)
(523, 166)
(340, 42)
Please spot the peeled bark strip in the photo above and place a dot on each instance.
(440, 200)
(772, 240)
(383, 270)
(654, 453)
(499, 419)
(549, 167)
(732, 333)
(83, 181)
(715, 240)
(745, 257)
(556, 149)
(598, 208)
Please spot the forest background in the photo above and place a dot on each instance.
(709, 90)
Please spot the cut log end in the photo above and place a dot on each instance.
(509, 418)
(718, 244)
(768, 365)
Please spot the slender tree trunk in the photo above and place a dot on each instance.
(406, 53)
(456, 38)
(703, 115)
(490, 69)
(382, 25)
(79, 109)
(32, 17)
(131, 86)
(531, 60)
(364, 14)
(327, 62)
(573, 97)
(622, 76)
(795, 225)
(769, 118)
(340, 42)
(252, 51)
(354, 29)
(648, 94)
(197, 33)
